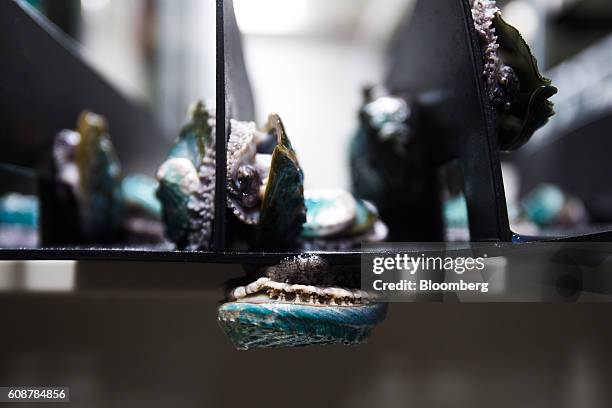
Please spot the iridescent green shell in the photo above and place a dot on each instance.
(530, 108)
(277, 324)
(100, 178)
(282, 211)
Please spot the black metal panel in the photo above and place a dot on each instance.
(45, 84)
(436, 58)
(220, 131)
(234, 101)
(238, 94)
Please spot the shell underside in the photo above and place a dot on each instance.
(277, 324)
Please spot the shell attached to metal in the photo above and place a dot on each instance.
(517, 90)
(187, 182)
(265, 194)
(302, 301)
(265, 190)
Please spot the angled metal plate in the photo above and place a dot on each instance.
(435, 57)
(45, 84)
(238, 92)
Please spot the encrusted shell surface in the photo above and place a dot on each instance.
(263, 191)
(246, 172)
(496, 72)
(187, 183)
(178, 181)
(516, 88)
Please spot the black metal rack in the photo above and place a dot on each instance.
(435, 56)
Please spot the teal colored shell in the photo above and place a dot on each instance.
(19, 217)
(140, 193)
(455, 212)
(278, 324)
(346, 222)
(341, 214)
(544, 204)
(283, 211)
(19, 209)
(187, 183)
(328, 213)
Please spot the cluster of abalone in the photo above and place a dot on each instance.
(266, 201)
(304, 300)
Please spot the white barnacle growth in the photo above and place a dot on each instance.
(265, 289)
(495, 71)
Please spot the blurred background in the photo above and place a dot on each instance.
(137, 335)
(309, 60)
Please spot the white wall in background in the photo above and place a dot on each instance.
(185, 70)
(315, 86)
(37, 276)
(187, 57)
(109, 36)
